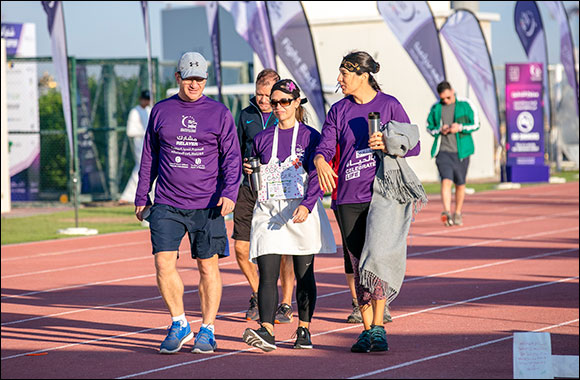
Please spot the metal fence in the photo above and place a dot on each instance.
(103, 91)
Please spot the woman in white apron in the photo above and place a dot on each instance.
(289, 218)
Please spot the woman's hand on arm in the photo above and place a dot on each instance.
(325, 173)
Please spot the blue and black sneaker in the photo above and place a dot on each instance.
(177, 336)
(363, 342)
(204, 342)
(378, 339)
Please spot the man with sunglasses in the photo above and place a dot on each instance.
(452, 121)
(191, 148)
(253, 120)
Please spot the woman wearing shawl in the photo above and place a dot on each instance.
(377, 191)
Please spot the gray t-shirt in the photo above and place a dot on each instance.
(449, 141)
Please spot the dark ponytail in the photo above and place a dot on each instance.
(362, 62)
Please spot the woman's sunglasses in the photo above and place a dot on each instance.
(284, 102)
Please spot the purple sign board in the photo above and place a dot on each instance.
(525, 123)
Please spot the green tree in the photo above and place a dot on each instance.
(53, 153)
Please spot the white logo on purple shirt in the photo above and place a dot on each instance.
(189, 123)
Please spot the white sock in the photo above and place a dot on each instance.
(181, 318)
(210, 327)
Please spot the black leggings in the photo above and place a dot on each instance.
(352, 220)
(269, 267)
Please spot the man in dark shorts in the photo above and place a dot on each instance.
(191, 148)
(452, 121)
(254, 119)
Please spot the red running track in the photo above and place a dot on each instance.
(89, 307)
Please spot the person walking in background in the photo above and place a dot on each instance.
(289, 218)
(253, 120)
(136, 128)
(191, 147)
(346, 125)
(452, 121)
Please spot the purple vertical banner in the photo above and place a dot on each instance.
(92, 180)
(294, 46)
(56, 29)
(212, 13)
(525, 123)
(466, 40)
(530, 30)
(145, 12)
(567, 56)
(413, 24)
(252, 24)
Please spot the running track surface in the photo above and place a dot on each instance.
(89, 307)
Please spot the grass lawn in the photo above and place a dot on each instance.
(46, 226)
(122, 218)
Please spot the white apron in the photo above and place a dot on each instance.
(282, 190)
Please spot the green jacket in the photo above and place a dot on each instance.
(466, 115)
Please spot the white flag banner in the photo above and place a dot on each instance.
(56, 29)
(465, 38)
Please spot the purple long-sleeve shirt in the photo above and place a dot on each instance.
(347, 124)
(192, 149)
(306, 143)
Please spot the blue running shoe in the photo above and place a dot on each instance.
(176, 338)
(204, 342)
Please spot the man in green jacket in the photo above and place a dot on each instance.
(452, 121)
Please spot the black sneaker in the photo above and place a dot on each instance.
(378, 339)
(283, 314)
(253, 313)
(260, 338)
(303, 338)
(363, 343)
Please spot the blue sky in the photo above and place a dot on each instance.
(114, 29)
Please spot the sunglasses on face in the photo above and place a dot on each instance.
(283, 102)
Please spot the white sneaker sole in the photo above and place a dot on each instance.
(183, 341)
(254, 340)
(200, 351)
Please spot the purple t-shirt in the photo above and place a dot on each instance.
(265, 117)
(306, 142)
(347, 124)
(192, 149)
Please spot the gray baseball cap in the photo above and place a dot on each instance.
(192, 64)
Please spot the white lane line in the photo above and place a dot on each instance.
(356, 326)
(143, 242)
(77, 267)
(221, 316)
(517, 221)
(77, 250)
(496, 224)
(320, 270)
(486, 242)
(457, 351)
(438, 250)
(113, 304)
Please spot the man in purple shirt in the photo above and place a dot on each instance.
(191, 148)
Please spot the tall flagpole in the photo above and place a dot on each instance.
(145, 9)
(56, 28)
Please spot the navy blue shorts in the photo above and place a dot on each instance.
(450, 167)
(206, 229)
